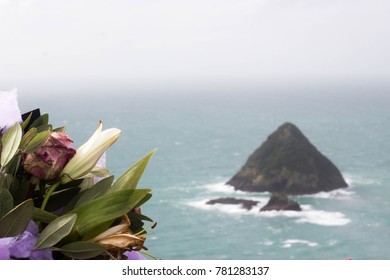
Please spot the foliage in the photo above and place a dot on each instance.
(79, 210)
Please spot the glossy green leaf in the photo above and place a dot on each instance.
(144, 200)
(37, 141)
(13, 165)
(56, 231)
(10, 142)
(6, 181)
(30, 134)
(129, 180)
(103, 210)
(42, 120)
(82, 250)
(96, 191)
(26, 122)
(43, 216)
(16, 221)
(6, 202)
(3, 182)
(45, 127)
(61, 198)
(60, 129)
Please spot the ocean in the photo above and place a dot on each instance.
(204, 137)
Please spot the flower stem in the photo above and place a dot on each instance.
(49, 193)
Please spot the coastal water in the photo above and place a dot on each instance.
(203, 138)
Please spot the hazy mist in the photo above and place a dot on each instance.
(206, 43)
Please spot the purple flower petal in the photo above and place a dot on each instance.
(22, 246)
(4, 248)
(9, 109)
(134, 255)
(33, 229)
(44, 254)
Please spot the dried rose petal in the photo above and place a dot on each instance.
(49, 160)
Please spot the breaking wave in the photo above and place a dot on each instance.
(307, 215)
(358, 180)
(290, 242)
(221, 187)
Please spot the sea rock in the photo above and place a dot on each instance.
(245, 203)
(287, 163)
(279, 201)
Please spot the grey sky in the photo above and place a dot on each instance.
(153, 42)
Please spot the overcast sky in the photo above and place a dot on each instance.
(156, 42)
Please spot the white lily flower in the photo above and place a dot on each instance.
(89, 154)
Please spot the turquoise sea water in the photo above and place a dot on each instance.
(203, 138)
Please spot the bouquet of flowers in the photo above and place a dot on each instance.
(57, 202)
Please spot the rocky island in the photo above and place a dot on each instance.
(287, 163)
(245, 203)
(279, 201)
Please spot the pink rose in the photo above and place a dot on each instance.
(48, 161)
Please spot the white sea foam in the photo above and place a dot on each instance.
(266, 243)
(357, 180)
(221, 187)
(232, 209)
(290, 242)
(335, 194)
(307, 215)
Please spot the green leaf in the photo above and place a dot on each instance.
(16, 221)
(60, 129)
(26, 122)
(82, 250)
(13, 165)
(3, 181)
(105, 209)
(30, 134)
(42, 120)
(19, 189)
(6, 181)
(61, 198)
(37, 141)
(144, 200)
(11, 142)
(96, 191)
(56, 231)
(130, 179)
(6, 202)
(43, 216)
(45, 127)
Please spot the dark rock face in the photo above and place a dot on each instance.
(245, 203)
(281, 202)
(288, 163)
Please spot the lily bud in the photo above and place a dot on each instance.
(49, 160)
(89, 153)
